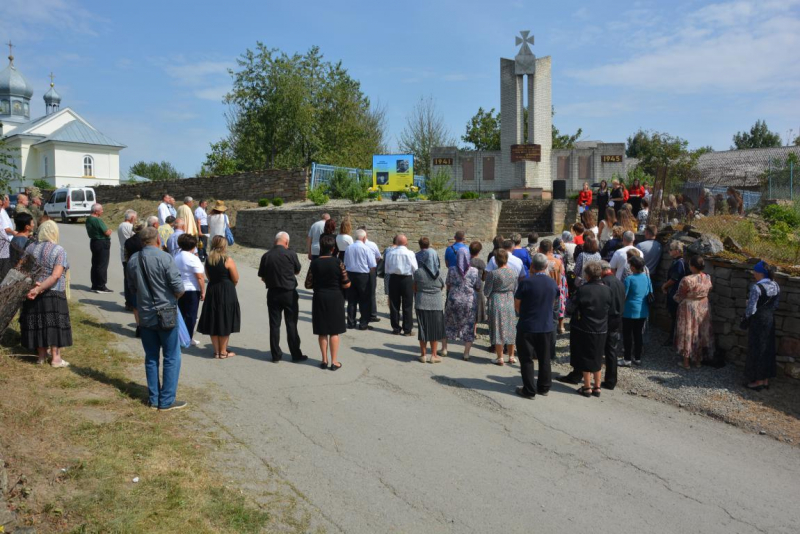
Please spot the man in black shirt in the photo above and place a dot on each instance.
(278, 270)
(614, 335)
(133, 245)
(534, 301)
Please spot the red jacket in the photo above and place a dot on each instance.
(638, 191)
(625, 194)
(585, 198)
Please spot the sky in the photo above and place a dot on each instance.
(152, 75)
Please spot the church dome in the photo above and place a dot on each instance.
(13, 83)
(52, 97)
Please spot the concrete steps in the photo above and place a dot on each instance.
(525, 216)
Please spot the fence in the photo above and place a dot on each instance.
(322, 174)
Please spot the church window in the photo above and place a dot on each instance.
(16, 108)
(88, 166)
(4, 107)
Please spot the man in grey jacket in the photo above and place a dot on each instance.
(157, 284)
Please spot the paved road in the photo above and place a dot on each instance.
(388, 444)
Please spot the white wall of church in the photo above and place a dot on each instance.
(69, 166)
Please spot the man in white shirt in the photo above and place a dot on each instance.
(124, 232)
(7, 232)
(401, 264)
(514, 263)
(313, 236)
(359, 262)
(202, 223)
(164, 210)
(620, 258)
(373, 277)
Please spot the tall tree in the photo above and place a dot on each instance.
(797, 141)
(289, 111)
(759, 136)
(657, 149)
(156, 172)
(425, 129)
(483, 130)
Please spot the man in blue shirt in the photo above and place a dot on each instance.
(451, 252)
(534, 301)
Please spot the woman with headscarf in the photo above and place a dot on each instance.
(463, 281)
(759, 320)
(428, 286)
(480, 310)
(44, 320)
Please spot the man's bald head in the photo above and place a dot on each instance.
(401, 240)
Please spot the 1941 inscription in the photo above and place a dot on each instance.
(442, 161)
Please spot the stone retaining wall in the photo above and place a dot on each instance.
(728, 299)
(436, 220)
(290, 185)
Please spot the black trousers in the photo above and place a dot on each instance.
(126, 289)
(188, 305)
(359, 294)
(373, 285)
(286, 302)
(202, 252)
(101, 252)
(612, 352)
(632, 330)
(401, 297)
(532, 346)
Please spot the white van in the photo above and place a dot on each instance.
(69, 203)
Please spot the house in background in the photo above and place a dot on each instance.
(60, 147)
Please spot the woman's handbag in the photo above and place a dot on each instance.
(228, 232)
(651, 297)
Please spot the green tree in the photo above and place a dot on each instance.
(759, 136)
(483, 130)
(156, 172)
(289, 111)
(437, 187)
(797, 141)
(8, 166)
(425, 129)
(657, 149)
(221, 161)
(560, 140)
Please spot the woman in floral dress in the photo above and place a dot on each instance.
(463, 281)
(693, 335)
(500, 286)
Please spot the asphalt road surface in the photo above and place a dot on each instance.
(388, 444)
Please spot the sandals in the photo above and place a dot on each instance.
(60, 365)
(684, 365)
(423, 359)
(435, 359)
(512, 360)
(585, 391)
(595, 392)
(323, 365)
(499, 362)
(336, 367)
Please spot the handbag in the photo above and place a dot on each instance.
(167, 315)
(651, 297)
(228, 232)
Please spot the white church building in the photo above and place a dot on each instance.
(60, 147)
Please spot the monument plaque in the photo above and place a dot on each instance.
(442, 161)
(616, 158)
(526, 153)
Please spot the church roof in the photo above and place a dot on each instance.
(12, 82)
(80, 132)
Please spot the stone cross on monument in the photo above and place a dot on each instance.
(531, 165)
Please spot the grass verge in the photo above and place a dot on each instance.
(75, 439)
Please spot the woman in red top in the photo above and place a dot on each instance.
(585, 196)
(636, 195)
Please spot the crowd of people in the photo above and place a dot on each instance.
(596, 274)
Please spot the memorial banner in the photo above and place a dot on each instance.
(393, 172)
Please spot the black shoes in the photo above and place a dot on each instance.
(569, 379)
(396, 331)
(524, 394)
(301, 358)
(177, 405)
(606, 385)
(103, 290)
(365, 327)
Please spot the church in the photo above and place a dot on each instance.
(60, 147)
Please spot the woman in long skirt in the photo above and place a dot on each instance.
(500, 286)
(428, 286)
(462, 283)
(761, 364)
(694, 335)
(221, 315)
(44, 320)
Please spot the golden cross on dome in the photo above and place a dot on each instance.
(52, 77)
(10, 51)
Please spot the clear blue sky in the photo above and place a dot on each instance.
(152, 74)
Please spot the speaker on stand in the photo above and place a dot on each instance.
(559, 189)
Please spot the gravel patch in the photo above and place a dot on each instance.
(716, 393)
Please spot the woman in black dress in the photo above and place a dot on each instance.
(617, 196)
(221, 315)
(587, 337)
(327, 277)
(603, 196)
(762, 302)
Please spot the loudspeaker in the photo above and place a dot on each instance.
(559, 189)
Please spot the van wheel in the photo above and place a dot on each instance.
(73, 219)
(64, 218)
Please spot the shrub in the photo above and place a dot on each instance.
(278, 201)
(263, 202)
(374, 195)
(438, 186)
(318, 195)
(777, 213)
(470, 195)
(358, 191)
(41, 183)
(341, 184)
(525, 196)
